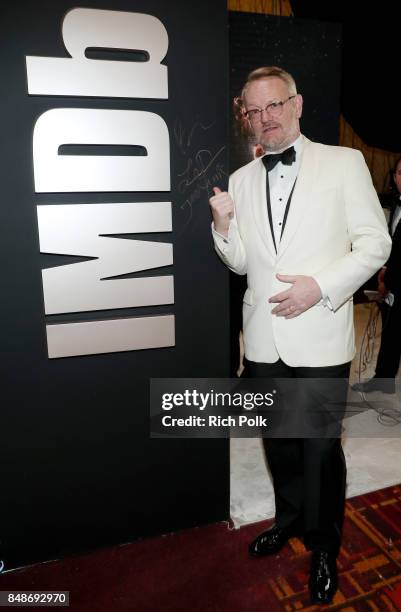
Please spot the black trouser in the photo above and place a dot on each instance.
(309, 474)
(388, 359)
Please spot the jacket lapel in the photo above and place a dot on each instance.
(259, 207)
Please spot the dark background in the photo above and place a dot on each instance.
(370, 98)
(78, 467)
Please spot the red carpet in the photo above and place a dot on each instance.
(208, 569)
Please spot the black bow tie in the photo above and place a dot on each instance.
(286, 157)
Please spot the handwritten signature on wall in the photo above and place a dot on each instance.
(202, 168)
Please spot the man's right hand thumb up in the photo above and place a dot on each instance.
(222, 210)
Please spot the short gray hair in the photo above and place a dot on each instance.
(270, 71)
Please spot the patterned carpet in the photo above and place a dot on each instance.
(209, 569)
(369, 563)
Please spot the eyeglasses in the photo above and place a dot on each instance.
(274, 108)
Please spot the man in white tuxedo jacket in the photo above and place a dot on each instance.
(306, 226)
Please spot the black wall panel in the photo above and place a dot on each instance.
(78, 467)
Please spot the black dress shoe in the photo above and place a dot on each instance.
(323, 580)
(385, 385)
(271, 541)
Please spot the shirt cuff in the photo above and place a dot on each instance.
(389, 299)
(225, 238)
(325, 300)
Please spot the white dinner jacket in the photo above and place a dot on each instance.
(335, 231)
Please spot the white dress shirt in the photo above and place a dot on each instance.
(281, 182)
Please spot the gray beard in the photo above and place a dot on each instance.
(282, 146)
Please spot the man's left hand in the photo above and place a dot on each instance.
(304, 293)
